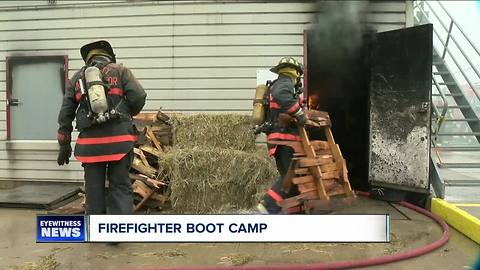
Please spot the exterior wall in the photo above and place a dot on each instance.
(190, 57)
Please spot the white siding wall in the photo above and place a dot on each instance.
(190, 57)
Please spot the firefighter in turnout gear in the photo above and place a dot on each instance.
(285, 104)
(102, 96)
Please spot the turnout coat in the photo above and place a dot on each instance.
(283, 99)
(109, 141)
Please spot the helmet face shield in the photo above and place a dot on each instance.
(99, 61)
(101, 45)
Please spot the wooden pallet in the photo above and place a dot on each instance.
(318, 170)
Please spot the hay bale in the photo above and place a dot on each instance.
(214, 180)
(229, 131)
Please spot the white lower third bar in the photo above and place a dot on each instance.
(239, 228)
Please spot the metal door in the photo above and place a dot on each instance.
(35, 97)
(400, 86)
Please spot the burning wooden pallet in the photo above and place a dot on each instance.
(318, 169)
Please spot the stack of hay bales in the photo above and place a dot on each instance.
(215, 165)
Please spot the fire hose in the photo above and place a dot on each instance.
(354, 263)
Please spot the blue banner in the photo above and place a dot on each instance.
(61, 228)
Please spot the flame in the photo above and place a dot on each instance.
(313, 102)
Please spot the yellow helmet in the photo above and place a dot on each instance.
(288, 62)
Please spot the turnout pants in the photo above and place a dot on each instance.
(283, 158)
(119, 199)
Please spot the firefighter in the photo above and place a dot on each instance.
(102, 96)
(285, 104)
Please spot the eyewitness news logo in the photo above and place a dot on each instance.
(61, 228)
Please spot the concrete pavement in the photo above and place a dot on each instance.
(408, 230)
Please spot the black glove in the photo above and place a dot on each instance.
(64, 154)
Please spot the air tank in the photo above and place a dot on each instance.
(259, 104)
(96, 91)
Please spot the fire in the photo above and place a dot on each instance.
(313, 102)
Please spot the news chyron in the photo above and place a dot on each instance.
(213, 228)
(52, 228)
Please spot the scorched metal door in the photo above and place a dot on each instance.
(400, 89)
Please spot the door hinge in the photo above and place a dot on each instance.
(13, 102)
(424, 107)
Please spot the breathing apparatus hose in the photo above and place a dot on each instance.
(354, 263)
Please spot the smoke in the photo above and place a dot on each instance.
(336, 40)
(338, 25)
(339, 48)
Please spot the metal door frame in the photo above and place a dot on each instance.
(8, 62)
(305, 67)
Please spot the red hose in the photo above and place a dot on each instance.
(354, 263)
